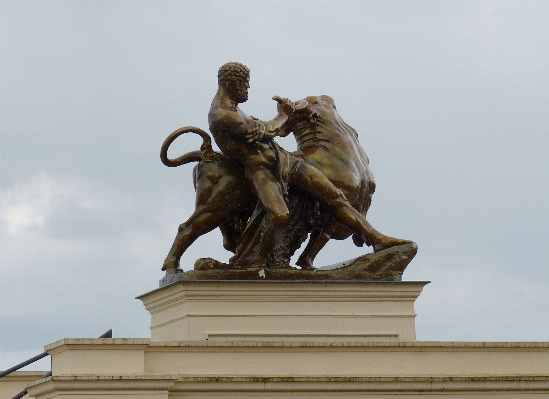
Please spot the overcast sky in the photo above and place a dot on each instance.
(450, 100)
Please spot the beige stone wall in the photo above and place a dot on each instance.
(295, 359)
(15, 382)
(141, 368)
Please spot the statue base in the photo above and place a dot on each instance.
(386, 265)
(318, 311)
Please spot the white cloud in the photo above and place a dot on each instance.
(30, 203)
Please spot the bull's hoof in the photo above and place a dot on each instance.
(305, 264)
(171, 262)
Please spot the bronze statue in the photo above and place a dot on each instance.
(329, 173)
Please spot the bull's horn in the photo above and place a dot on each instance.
(301, 105)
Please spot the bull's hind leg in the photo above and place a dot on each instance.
(317, 240)
(201, 222)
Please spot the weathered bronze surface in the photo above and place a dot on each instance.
(386, 265)
(266, 200)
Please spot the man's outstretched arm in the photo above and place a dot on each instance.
(264, 131)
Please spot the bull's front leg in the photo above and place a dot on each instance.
(201, 222)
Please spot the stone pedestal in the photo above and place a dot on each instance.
(313, 311)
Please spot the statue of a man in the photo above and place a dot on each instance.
(269, 169)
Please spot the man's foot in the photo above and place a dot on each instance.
(389, 242)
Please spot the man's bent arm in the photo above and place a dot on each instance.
(234, 123)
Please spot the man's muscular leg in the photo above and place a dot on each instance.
(312, 181)
(267, 189)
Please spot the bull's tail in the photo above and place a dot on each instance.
(193, 156)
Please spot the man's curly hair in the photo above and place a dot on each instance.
(231, 73)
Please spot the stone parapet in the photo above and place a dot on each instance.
(291, 359)
(197, 387)
(105, 386)
(15, 382)
(98, 356)
(345, 359)
(143, 369)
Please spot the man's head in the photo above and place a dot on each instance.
(237, 75)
